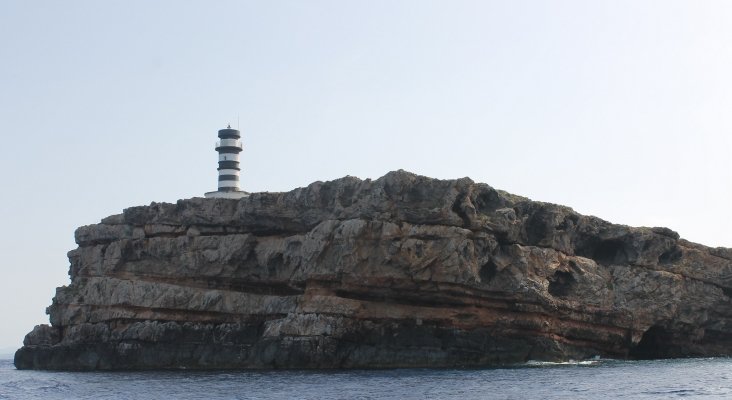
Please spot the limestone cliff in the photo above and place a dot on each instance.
(403, 271)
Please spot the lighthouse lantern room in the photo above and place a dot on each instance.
(228, 146)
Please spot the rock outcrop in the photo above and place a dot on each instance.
(403, 271)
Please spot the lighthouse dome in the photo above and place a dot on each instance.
(229, 133)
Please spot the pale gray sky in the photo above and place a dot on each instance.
(621, 109)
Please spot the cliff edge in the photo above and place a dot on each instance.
(402, 271)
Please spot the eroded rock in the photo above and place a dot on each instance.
(403, 271)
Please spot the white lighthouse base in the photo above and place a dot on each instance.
(226, 195)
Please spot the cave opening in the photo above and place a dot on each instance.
(560, 284)
(670, 256)
(487, 201)
(654, 344)
(488, 271)
(610, 252)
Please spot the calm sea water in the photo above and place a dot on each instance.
(688, 379)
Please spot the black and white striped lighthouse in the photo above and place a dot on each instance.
(229, 146)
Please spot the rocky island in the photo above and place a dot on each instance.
(402, 271)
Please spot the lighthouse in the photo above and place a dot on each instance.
(228, 146)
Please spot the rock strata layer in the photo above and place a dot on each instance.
(402, 271)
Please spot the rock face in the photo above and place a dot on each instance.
(403, 271)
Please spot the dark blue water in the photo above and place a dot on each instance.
(688, 379)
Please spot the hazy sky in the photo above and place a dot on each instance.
(620, 109)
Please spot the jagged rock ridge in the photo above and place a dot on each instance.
(403, 271)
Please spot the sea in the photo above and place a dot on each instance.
(702, 378)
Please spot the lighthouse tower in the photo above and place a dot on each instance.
(228, 146)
